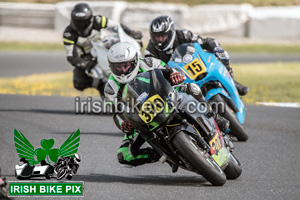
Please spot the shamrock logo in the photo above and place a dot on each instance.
(47, 152)
(26, 150)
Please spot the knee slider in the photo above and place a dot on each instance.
(193, 89)
(121, 158)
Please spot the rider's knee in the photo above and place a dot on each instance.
(122, 160)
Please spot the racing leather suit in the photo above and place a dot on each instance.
(78, 51)
(129, 153)
(186, 36)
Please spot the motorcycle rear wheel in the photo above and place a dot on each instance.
(233, 169)
(236, 128)
(199, 160)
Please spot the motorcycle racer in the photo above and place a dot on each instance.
(83, 28)
(125, 65)
(165, 38)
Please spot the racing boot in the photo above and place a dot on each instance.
(222, 122)
(194, 90)
(243, 90)
(154, 156)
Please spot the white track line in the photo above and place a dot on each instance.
(291, 105)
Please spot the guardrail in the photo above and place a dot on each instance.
(27, 15)
(230, 20)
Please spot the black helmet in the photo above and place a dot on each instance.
(82, 19)
(162, 33)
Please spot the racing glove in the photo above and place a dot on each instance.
(230, 71)
(91, 64)
(79, 62)
(136, 34)
(176, 78)
(126, 128)
(222, 55)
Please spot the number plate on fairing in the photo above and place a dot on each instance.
(194, 68)
(215, 143)
(151, 107)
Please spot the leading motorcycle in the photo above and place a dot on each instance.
(163, 116)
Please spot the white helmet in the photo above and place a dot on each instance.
(77, 158)
(123, 61)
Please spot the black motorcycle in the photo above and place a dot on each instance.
(189, 140)
(64, 168)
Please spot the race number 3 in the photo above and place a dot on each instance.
(151, 107)
(194, 69)
(215, 143)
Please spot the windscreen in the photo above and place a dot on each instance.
(181, 51)
(147, 94)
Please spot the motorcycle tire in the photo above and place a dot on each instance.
(199, 160)
(236, 128)
(61, 173)
(233, 169)
(69, 177)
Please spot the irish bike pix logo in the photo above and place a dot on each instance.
(46, 162)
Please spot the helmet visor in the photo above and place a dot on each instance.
(161, 40)
(123, 68)
(81, 25)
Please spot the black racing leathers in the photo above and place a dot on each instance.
(78, 47)
(182, 36)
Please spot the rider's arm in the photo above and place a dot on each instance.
(132, 33)
(69, 39)
(101, 22)
(150, 63)
(214, 47)
(186, 36)
(113, 91)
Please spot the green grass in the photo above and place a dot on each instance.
(263, 48)
(271, 82)
(19, 46)
(194, 2)
(58, 84)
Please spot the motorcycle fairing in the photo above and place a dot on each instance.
(148, 92)
(215, 72)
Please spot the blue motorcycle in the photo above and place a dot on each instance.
(204, 69)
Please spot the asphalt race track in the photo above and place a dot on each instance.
(25, 63)
(270, 157)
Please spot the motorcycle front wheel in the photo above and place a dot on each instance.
(198, 159)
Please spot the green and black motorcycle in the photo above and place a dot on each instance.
(164, 117)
